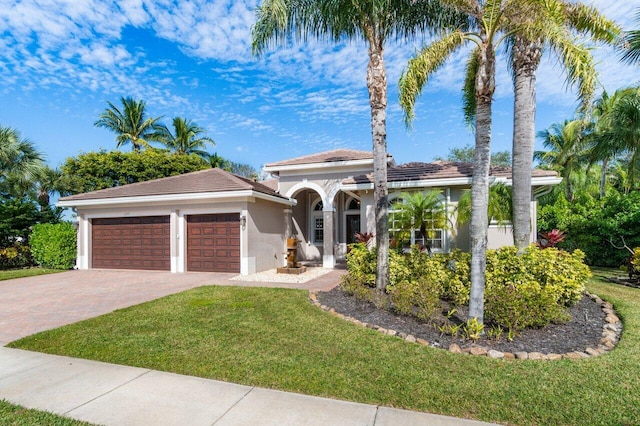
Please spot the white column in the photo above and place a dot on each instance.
(328, 257)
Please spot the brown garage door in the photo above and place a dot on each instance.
(131, 243)
(213, 243)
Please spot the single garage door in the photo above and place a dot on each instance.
(131, 243)
(213, 243)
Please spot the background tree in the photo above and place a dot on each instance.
(555, 26)
(630, 47)
(566, 150)
(129, 124)
(187, 137)
(99, 170)
(466, 155)
(373, 22)
(20, 161)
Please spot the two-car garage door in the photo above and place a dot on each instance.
(213, 243)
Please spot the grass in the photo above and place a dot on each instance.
(30, 272)
(15, 415)
(275, 338)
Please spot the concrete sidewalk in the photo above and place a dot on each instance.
(111, 394)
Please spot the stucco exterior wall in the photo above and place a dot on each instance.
(266, 236)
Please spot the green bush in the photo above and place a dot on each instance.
(361, 263)
(54, 245)
(15, 256)
(530, 290)
(420, 290)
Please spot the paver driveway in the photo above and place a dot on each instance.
(33, 304)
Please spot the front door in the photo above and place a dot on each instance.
(353, 227)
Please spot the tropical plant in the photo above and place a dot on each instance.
(557, 23)
(374, 22)
(499, 208)
(20, 161)
(421, 211)
(490, 22)
(630, 47)
(619, 130)
(566, 150)
(186, 138)
(129, 124)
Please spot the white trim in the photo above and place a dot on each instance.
(168, 198)
(307, 185)
(307, 167)
(430, 183)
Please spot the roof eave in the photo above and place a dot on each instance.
(155, 199)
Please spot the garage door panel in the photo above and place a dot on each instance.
(131, 243)
(213, 243)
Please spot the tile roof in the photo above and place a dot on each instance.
(332, 156)
(438, 170)
(209, 180)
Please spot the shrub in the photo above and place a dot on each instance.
(361, 263)
(456, 285)
(54, 245)
(15, 256)
(420, 290)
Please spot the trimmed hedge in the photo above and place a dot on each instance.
(54, 245)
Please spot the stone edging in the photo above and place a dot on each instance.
(610, 336)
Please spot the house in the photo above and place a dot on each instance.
(212, 220)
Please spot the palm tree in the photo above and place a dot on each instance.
(47, 183)
(557, 24)
(566, 150)
(499, 208)
(621, 130)
(20, 161)
(216, 160)
(130, 124)
(423, 211)
(491, 21)
(186, 139)
(371, 21)
(630, 48)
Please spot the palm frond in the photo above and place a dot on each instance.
(420, 68)
(469, 100)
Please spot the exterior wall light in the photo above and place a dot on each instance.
(243, 222)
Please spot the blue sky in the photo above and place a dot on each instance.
(62, 60)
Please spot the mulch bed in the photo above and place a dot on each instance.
(582, 331)
(635, 283)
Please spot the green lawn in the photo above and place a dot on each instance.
(14, 415)
(31, 272)
(275, 338)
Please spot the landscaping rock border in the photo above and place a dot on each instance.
(610, 336)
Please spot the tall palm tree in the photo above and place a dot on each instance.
(186, 139)
(423, 211)
(621, 130)
(566, 150)
(130, 124)
(630, 47)
(20, 161)
(491, 21)
(373, 22)
(557, 23)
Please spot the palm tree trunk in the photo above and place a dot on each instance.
(603, 177)
(377, 85)
(526, 57)
(485, 87)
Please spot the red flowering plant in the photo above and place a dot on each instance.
(551, 238)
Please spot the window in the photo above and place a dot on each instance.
(317, 222)
(404, 238)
